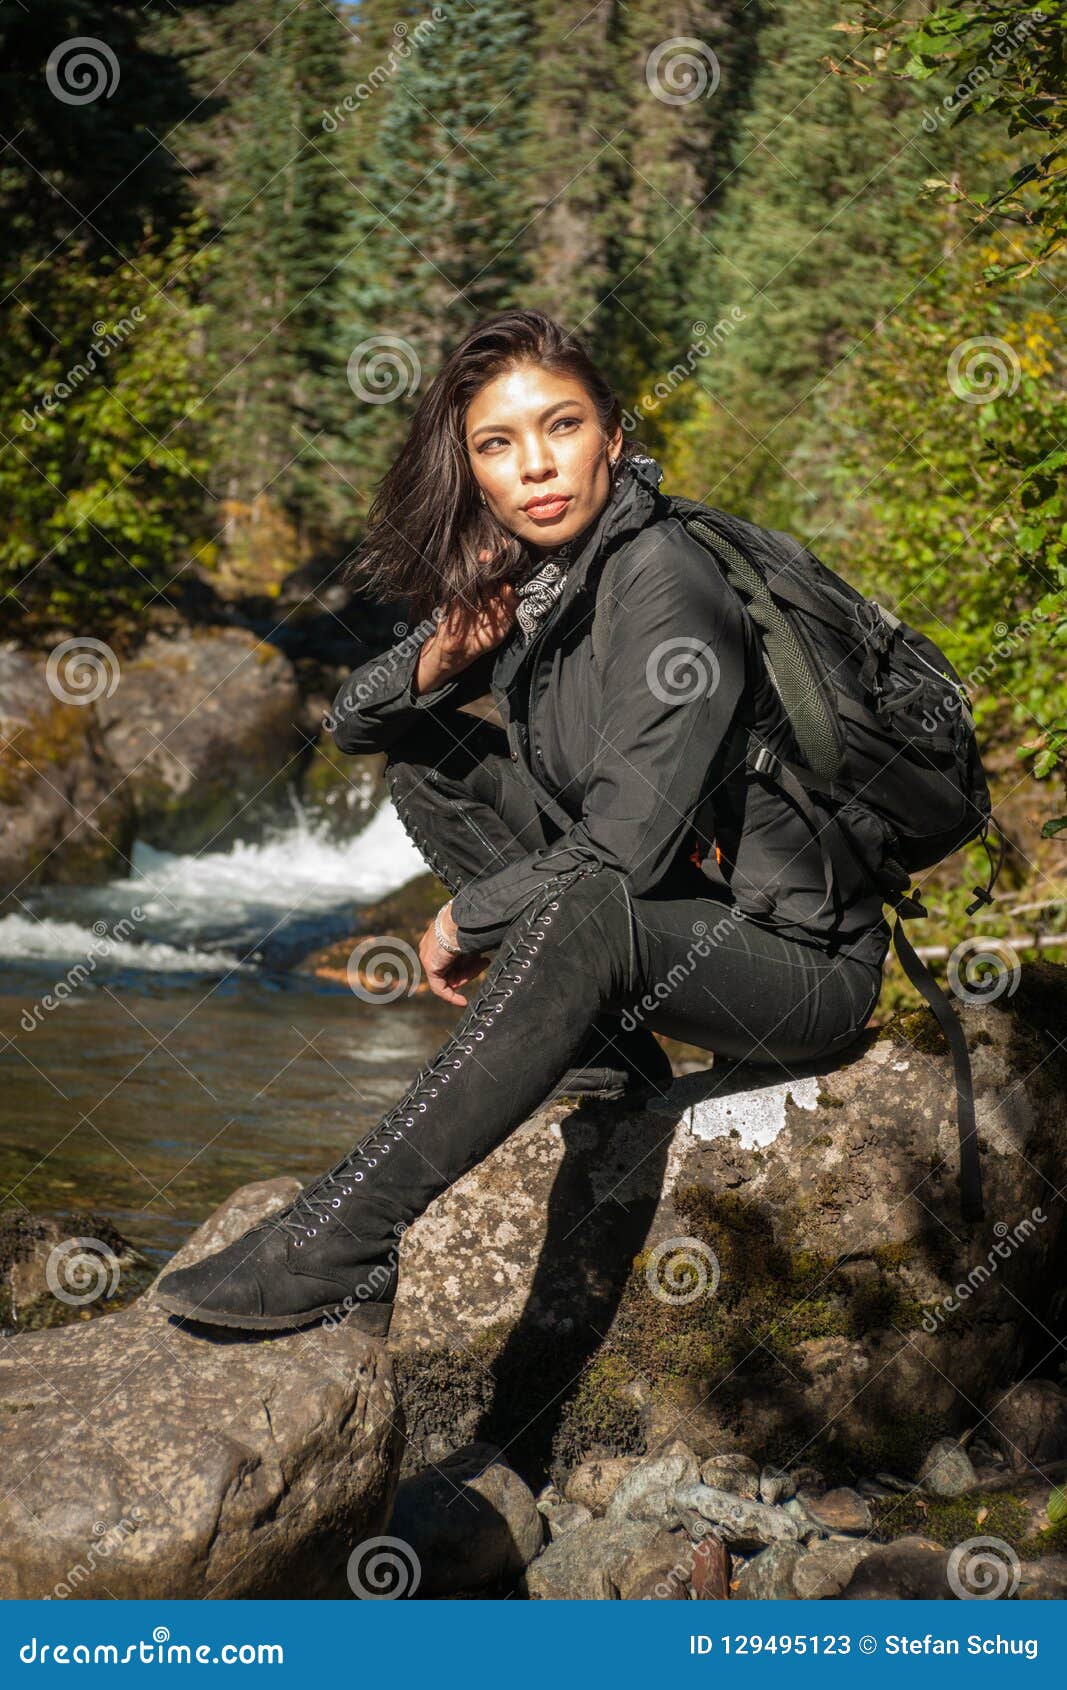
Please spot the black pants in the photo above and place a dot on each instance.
(676, 962)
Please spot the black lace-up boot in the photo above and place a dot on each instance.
(333, 1250)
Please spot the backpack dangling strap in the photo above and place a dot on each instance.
(984, 894)
(971, 1201)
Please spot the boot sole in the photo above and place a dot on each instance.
(373, 1318)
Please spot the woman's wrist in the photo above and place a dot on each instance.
(445, 930)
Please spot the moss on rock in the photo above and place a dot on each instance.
(949, 1520)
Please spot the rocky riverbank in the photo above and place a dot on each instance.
(659, 1354)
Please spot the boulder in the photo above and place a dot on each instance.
(911, 1569)
(203, 727)
(53, 1271)
(947, 1470)
(64, 815)
(1029, 1424)
(594, 1483)
(153, 1459)
(736, 1473)
(471, 1523)
(587, 1565)
(557, 1268)
(841, 1510)
(787, 1572)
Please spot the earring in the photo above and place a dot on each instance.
(482, 498)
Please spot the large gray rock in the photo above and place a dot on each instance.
(471, 1522)
(1029, 1423)
(590, 1564)
(64, 815)
(788, 1572)
(819, 1216)
(204, 728)
(146, 1459)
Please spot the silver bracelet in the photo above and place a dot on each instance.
(457, 950)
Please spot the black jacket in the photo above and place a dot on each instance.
(644, 763)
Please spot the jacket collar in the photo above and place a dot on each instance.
(631, 505)
(634, 501)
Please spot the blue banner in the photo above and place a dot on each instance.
(533, 1643)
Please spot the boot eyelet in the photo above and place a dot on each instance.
(422, 1106)
(335, 1203)
(479, 1035)
(359, 1175)
(433, 1091)
(457, 1063)
(311, 1231)
(346, 1191)
(372, 1161)
(298, 1243)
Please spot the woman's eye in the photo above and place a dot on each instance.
(500, 439)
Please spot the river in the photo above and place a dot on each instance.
(181, 1052)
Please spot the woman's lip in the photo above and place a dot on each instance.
(548, 509)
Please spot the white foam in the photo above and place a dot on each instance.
(303, 867)
(44, 940)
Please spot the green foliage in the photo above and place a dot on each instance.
(102, 477)
(1005, 63)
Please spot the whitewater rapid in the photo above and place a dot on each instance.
(216, 911)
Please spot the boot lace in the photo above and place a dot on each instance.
(318, 1203)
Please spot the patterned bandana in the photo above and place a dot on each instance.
(539, 592)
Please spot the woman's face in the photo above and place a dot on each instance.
(539, 454)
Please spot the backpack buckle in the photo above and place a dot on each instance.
(766, 762)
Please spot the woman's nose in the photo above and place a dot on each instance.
(536, 463)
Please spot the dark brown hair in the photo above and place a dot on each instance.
(427, 526)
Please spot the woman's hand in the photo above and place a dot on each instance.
(464, 633)
(444, 970)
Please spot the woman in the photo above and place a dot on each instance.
(608, 844)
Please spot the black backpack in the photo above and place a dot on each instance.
(884, 729)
